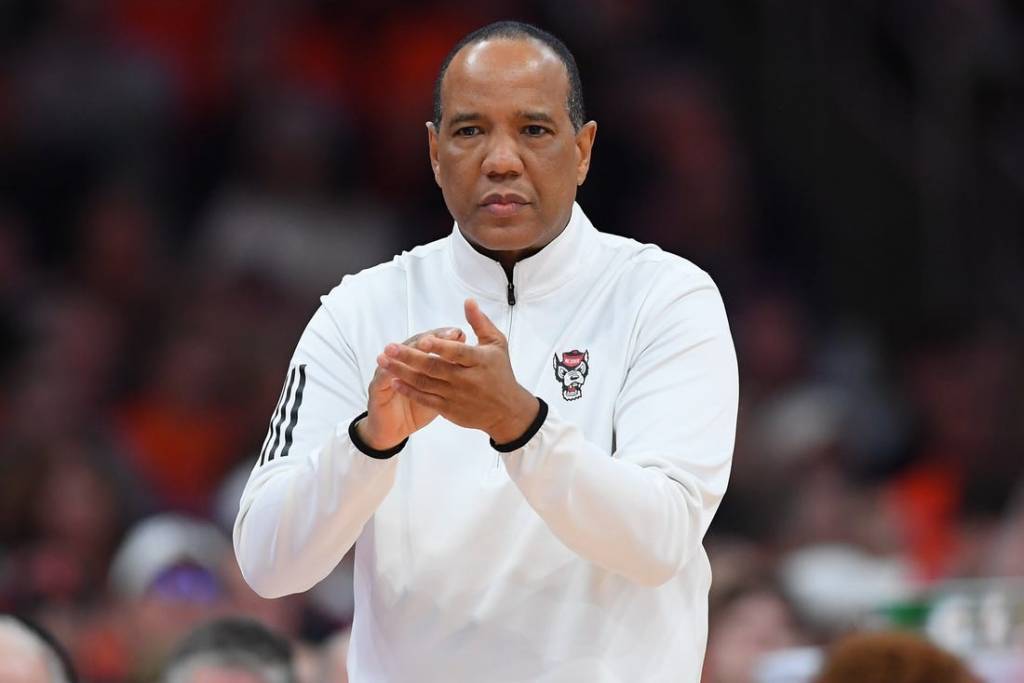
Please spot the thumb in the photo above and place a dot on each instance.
(486, 332)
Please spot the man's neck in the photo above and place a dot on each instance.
(508, 259)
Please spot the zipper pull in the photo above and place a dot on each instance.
(511, 294)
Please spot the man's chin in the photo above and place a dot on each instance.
(503, 235)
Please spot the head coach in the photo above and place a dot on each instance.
(528, 477)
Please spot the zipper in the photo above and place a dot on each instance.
(511, 299)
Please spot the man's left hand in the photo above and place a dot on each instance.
(472, 386)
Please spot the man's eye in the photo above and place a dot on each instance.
(467, 131)
(536, 131)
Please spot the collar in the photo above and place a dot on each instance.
(533, 277)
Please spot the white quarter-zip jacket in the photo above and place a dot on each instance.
(576, 557)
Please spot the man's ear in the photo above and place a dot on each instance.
(435, 165)
(584, 144)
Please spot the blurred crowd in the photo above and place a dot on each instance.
(180, 181)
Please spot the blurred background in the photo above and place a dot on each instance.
(180, 181)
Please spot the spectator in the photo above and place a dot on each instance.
(168, 575)
(751, 619)
(891, 658)
(231, 650)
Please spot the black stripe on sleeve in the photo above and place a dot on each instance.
(294, 418)
(270, 428)
(280, 417)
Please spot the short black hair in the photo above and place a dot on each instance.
(515, 30)
(234, 642)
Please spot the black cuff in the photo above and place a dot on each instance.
(534, 427)
(353, 434)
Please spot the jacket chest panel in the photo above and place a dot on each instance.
(569, 350)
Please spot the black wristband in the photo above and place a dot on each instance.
(353, 434)
(538, 422)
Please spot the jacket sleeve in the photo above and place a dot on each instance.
(311, 490)
(643, 511)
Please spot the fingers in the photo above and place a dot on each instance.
(452, 351)
(453, 333)
(381, 390)
(486, 331)
(412, 377)
(429, 400)
(433, 366)
(381, 382)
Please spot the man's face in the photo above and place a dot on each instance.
(506, 156)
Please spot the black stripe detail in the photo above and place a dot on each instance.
(538, 422)
(294, 419)
(280, 419)
(353, 434)
(270, 429)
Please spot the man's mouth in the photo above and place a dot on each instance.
(504, 204)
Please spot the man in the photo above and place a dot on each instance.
(231, 650)
(892, 657)
(28, 654)
(529, 504)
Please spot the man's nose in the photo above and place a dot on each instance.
(502, 157)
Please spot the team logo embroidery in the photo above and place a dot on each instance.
(572, 371)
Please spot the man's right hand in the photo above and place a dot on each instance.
(392, 417)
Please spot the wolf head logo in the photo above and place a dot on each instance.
(572, 371)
